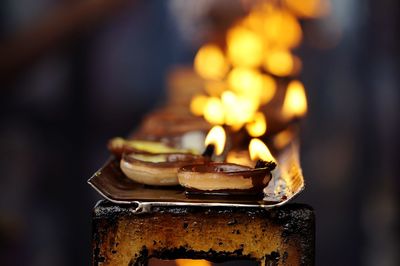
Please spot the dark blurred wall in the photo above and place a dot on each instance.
(57, 114)
(59, 109)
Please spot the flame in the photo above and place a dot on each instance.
(258, 150)
(245, 47)
(217, 137)
(197, 104)
(261, 42)
(258, 126)
(309, 8)
(283, 138)
(210, 62)
(215, 87)
(282, 29)
(187, 262)
(230, 101)
(245, 80)
(279, 62)
(295, 103)
(214, 111)
(268, 89)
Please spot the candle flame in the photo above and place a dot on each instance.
(245, 47)
(217, 137)
(210, 62)
(283, 138)
(309, 8)
(259, 150)
(295, 103)
(214, 111)
(268, 90)
(197, 104)
(282, 29)
(279, 62)
(258, 126)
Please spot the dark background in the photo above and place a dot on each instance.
(75, 73)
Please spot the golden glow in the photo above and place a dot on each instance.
(282, 29)
(283, 139)
(258, 126)
(215, 87)
(245, 80)
(240, 157)
(268, 89)
(238, 110)
(235, 77)
(295, 103)
(245, 47)
(210, 62)
(258, 150)
(229, 101)
(217, 137)
(279, 62)
(308, 8)
(198, 104)
(187, 262)
(214, 111)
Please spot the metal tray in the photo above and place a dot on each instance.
(287, 182)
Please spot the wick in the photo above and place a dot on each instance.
(263, 164)
(209, 151)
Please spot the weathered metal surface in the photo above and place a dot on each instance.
(278, 236)
(287, 182)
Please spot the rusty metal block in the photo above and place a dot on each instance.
(279, 236)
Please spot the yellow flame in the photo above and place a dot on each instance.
(217, 137)
(197, 104)
(258, 150)
(245, 80)
(245, 47)
(215, 87)
(214, 111)
(229, 101)
(295, 103)
(283, 138)
(279, 62)
(268, 90)
(210, 62)
(187, 262)
(258, 126)
(282, 29)
(309, 8)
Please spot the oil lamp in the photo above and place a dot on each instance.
(151, 163)
(228, 178)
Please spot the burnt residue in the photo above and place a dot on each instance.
(296, 221)
(272, 259)
(186, 253)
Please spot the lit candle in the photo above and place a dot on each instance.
(260, 152)
(215, 142)
(224, 178)
(151, 163)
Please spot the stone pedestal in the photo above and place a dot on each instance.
(280, 236)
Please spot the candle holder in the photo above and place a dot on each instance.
(156, 169)
(224, 179)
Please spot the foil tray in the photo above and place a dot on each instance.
(287, 182)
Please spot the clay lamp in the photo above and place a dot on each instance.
(151, 163)
(228, 178)
(156, 169)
